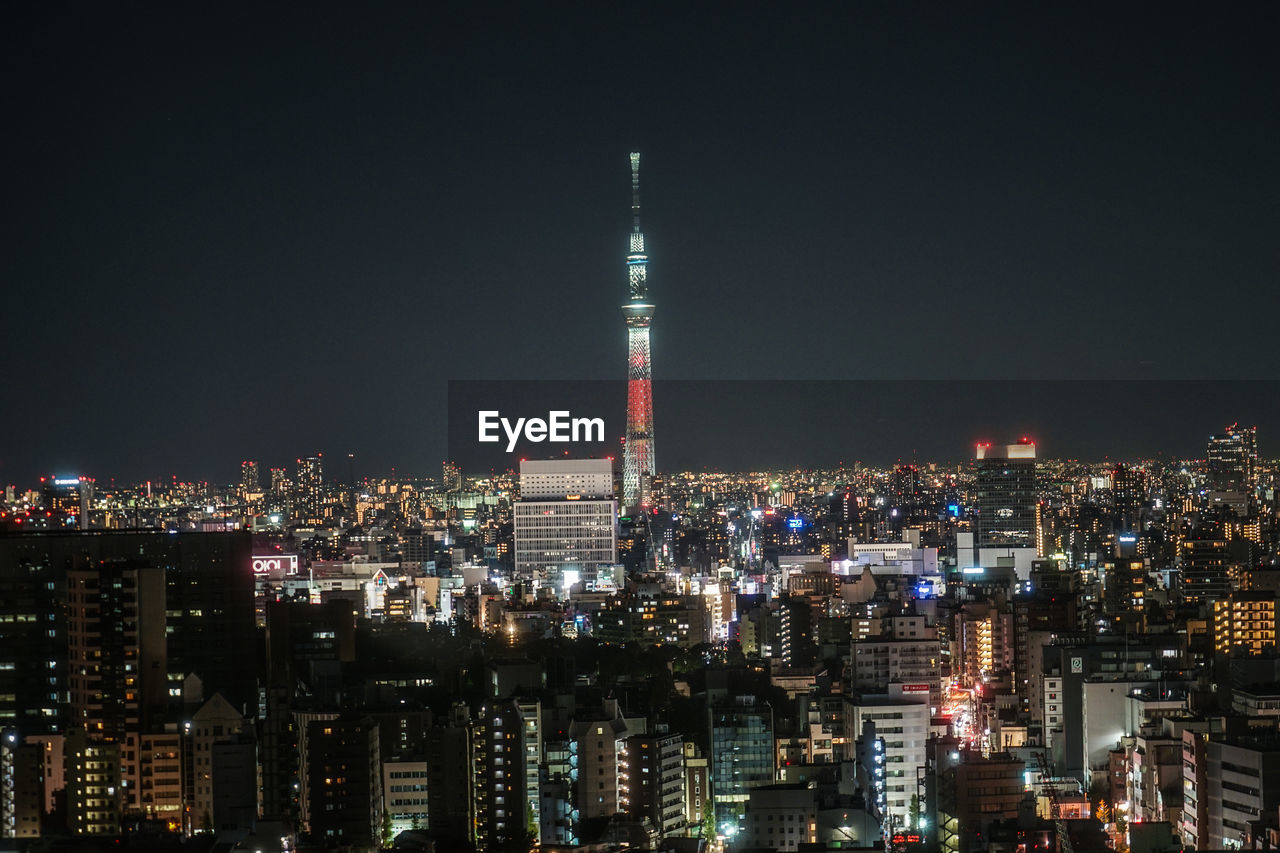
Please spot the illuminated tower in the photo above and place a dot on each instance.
(310, 479)
(249, 481)
(1233, 467)
(638, 465)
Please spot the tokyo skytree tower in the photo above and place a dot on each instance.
(638, 464)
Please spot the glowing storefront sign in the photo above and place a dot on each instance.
(288, 563)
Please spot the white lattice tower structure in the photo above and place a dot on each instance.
(638, 460)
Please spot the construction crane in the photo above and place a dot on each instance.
(1055, 805)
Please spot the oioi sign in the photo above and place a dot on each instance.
(287, 563)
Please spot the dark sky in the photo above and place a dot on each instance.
(264, 230)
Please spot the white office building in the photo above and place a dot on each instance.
(902, 720)
(566, 520)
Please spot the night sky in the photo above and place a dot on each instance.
(261, 231)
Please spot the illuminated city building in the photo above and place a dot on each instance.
(250, 482)
(1006, 495)
(1233, 466)
(530, 711)
(1242, 773)
(697, 785)
(68, 499)
(116, 648)
(901, 720)
(310, 483)
(499, 774)
(1244, 620)
(603, 783)
(876, 661)
(565, 524)
(742, 755)
(450, 477)
(152, 773)
(1124, 582)
(566, 479)
(33, 650)
(984, 642)
(679, 621)
(22, 786)
(1203, 568)
(652, 780)
(1128, 495)
(93, 780)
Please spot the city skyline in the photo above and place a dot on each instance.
(668, 675)
(330, 511)
(872, 423)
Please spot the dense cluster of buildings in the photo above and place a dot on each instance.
(1012, 653)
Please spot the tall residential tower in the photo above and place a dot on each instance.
(638, 465)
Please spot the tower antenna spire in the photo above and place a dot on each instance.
(635, 191)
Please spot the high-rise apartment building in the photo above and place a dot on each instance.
(903, 722)
(210, 618)
(310, 485)
(116, 647)
(502, 812)
(1124, 582)
(652, 780)
(971, 790)
(1128, 494)
(22, 786)
(531, 719)
(345, 775)
(250, 482)
(450, 800)
(94, 794)
(697, 784)
(876, 661)
(600, 744)
(33, 639)
(1243, 776)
